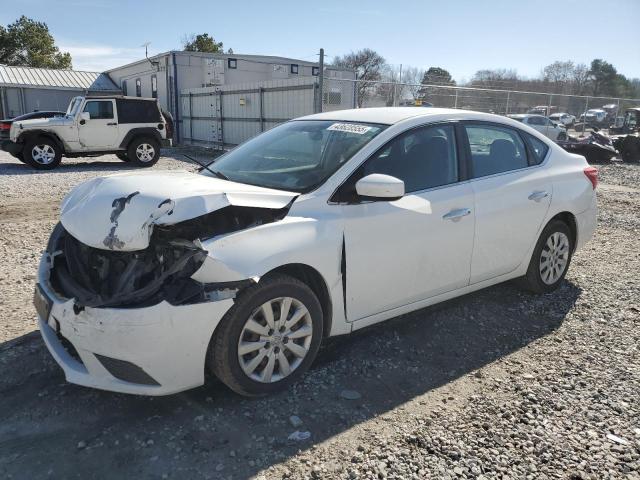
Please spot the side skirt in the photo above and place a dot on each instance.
(382, 316)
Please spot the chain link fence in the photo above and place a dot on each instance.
(226, 115)
(584, 111)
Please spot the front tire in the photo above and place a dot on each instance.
(551, 258)
(42, 153)
(143, 152)
(269, 338)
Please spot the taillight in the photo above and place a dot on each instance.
(5, 126)
(592, 175)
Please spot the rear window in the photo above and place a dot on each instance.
(137, 111)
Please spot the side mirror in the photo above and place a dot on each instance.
(84, 116)
(381, 187)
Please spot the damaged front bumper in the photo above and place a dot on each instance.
(151, 350)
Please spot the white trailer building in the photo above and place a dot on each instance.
(169, 76)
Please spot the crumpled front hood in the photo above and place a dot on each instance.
(118, 212)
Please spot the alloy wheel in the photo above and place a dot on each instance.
(43, 154)
(275, 340)
(145, 152)
(554, 258)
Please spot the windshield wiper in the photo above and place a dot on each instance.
(206, 166)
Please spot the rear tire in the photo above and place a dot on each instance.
(42, 153)
(143, 151)
(551, 258)
(298, 342)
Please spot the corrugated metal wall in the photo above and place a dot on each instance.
(231, 114)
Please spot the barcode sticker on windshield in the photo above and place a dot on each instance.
(349, 127)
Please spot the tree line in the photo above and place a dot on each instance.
(376, 77)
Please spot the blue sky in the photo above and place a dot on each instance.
(461, 36)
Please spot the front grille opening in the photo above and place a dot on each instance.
(106, 278)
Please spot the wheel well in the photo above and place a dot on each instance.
(570, 220)
(27, 136)
(137, 133)
(312, 278)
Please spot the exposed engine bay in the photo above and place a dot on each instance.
(162, 271)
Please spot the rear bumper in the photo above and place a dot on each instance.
(586, 223)
(156, 350)
(11, 147)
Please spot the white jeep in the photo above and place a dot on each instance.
(132, 128)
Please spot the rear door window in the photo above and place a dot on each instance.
(495, 149)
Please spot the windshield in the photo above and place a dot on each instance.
(73, 106)
(296, 156)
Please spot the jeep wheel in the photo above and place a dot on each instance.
(123, 156)
(143, 152)
(42, 153)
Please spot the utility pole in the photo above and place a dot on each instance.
(321, 79)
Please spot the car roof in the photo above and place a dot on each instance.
(386, 115)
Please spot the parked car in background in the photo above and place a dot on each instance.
(152, 278)
(543, 110)
(543, 125)
(563, 118)
(595, 117)
(5, 125)
(133, 128)
(612, 111)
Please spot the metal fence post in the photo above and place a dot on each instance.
(584, 118)
(506, 109)
(261, 95)
(321, 78)
(190, 117)
(549, 111)
(455, 103)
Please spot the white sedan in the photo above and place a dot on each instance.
(543, 125)
(319, 227)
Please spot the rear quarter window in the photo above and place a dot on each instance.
(538, 147)
(137, 111)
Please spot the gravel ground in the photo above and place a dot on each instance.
(496, 384)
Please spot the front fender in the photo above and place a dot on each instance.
(253, 252)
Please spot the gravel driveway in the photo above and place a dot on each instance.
(496, 384)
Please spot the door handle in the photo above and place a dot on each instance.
(539, 195)
(111, 123)
(457, 214)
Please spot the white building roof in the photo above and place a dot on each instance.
(29, 77)
(271, 59)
